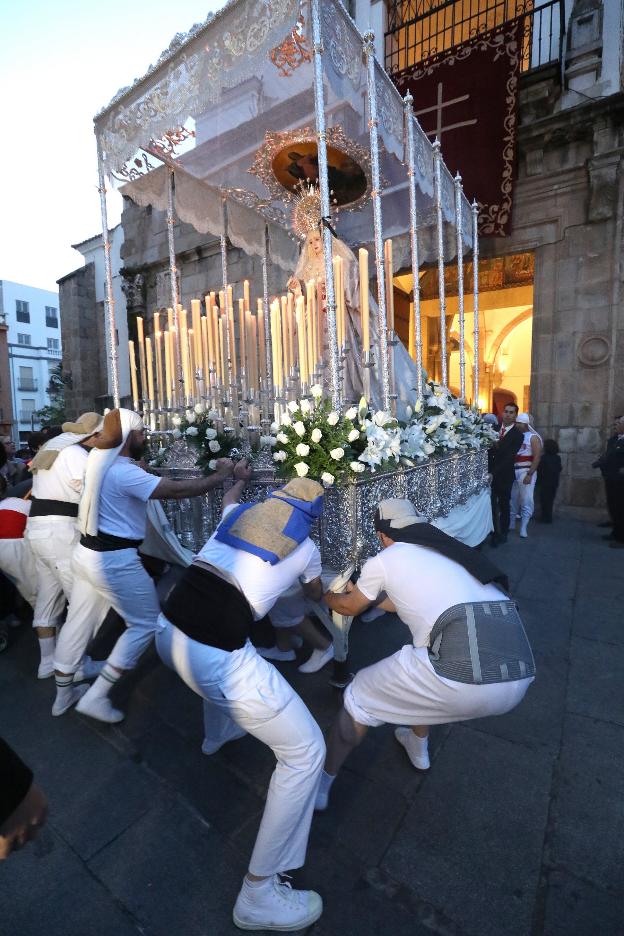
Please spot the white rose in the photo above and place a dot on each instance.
(302, 469)
(351, 412)
(327, 478)
(212, 464)
(316, 435)
(268, 440)
(214, 446)
(176, 434)
(274, 427)
(305, 406)
(302, 450)
(282, 437)
(353, 435)
(279, 456)
(380, 418)
(299, 428)
(190, 416)
(200, 408)
(332, 418)
(337, 454)
(357, 466)
(192, 431)
(286, 420)
(316, 391)
(293, 406)
(176, 420)
(211, 434)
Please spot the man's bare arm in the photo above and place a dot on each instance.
(168, 489)
(350, 603)
(314, 589)
(242, 474)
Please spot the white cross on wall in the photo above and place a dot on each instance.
(438, 107)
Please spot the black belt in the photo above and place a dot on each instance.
(106, 542)
(52, 508)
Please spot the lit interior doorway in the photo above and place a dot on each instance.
(505, 328)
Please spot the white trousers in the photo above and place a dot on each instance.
(52, 541)
(18, 564)
(241, 688)
(404, 689)
(522, 496)
(101, 580)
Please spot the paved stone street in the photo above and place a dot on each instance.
(517, 829)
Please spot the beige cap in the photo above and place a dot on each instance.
(399, 513)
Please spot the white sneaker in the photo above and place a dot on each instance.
(211, 747)
(406, 738)
(274, 653)
(274, 905)
(46, 669)
(318, 660)
(99, 708)
(67, 697)
(90, 669)
(523, 531)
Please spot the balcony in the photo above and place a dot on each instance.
(27, 384)
(419, 31)
(54, 352)
(26, 416)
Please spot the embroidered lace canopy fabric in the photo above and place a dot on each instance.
(243, 83)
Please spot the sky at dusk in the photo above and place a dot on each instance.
(60, 63)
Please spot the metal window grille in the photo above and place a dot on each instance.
(22, 311)
(420, 29)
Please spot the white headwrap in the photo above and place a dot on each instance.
(99, 461)
(73, 433)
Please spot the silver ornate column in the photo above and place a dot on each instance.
(228, 312)
(268, 377)
(173, 277)
(319, 108)
(411, 172)
(109, 301)
(369, 53)
(437, 175)
(475, 300)
(460, 285)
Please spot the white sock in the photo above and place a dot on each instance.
(326, 782)
(105, 682)
(254, 885)
(420, 744)
(46, 646)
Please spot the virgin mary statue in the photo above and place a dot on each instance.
(311, 265)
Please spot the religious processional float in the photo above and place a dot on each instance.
(272, 127)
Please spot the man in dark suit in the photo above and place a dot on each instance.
(611, 465)
(502, 459)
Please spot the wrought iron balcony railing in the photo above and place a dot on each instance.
(420, 29)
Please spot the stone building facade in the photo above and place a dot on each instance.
(568, 210)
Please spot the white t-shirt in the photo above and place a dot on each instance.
(65, 479)
(422, 584)
(260, 582)
(124, 494)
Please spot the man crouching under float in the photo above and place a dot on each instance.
(469, 656)
(256, 554)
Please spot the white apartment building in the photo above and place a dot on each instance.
(34, 344)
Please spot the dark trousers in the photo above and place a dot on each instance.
(615, 505)
(547, 493)
(501, 497)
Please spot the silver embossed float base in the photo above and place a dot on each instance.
(345, 532)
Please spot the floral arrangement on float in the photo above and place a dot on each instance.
(313, 440)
